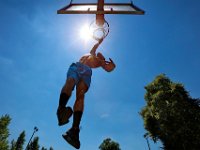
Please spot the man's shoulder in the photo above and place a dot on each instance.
(87, 54)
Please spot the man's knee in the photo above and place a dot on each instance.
(70, 82)
(80, 94)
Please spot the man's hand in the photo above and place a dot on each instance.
(111, 61)
(109, 65)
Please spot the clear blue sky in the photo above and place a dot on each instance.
(37, 46)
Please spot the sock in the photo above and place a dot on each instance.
(77, 119)
(63, 99)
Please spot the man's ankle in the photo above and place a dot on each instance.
(77, 119)
(63, 99)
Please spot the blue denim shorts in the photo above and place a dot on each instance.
(78, 72)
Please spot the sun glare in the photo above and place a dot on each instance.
(85, 32)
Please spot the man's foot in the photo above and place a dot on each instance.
(63, 115)
(72, 137)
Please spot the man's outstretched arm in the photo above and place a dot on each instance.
(93, 50)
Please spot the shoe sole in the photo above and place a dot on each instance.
(70, 141)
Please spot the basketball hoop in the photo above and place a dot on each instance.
(99, 32)
(100, 28)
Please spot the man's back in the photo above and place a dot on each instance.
(92, 61)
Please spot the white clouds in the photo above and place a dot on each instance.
(6, 65)
(104, 115)
(9, 71)
(5, 62)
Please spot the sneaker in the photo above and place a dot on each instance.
(72, 137)
(63, 115)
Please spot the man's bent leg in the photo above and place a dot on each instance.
(72, 136)
(64, 113)
(79, 103)
(66, 92)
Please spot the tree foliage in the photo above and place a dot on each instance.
(108, 144)
(13, 145)
(4, 132)
(20, 141)
(34, 145)
(171, 115)
(44, 148)
(51, 148)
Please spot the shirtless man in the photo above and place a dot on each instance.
(79, 75)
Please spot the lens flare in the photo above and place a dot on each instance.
(85, 32)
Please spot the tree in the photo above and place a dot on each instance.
(34, 145)
(108, 144)
(20, 141)
(13, 145)
(51, 148)
(43, 148)
(171, 115)
(4, 132)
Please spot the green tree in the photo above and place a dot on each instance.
(13, 145)
(4, 132)
(44, 148)
(34, 145)
(20, 141)
(108, 144)
(51, 148)
(171, 115)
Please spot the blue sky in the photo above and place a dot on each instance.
(37, 46)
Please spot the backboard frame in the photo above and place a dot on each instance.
(69, 9)
(100, 9)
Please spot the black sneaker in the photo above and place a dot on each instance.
(72, 137)
(63, 115)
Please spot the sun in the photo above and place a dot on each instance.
(85, 32)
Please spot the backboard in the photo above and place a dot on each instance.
(108, 8)
(100, 9)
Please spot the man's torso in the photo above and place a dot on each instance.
(91, 61)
